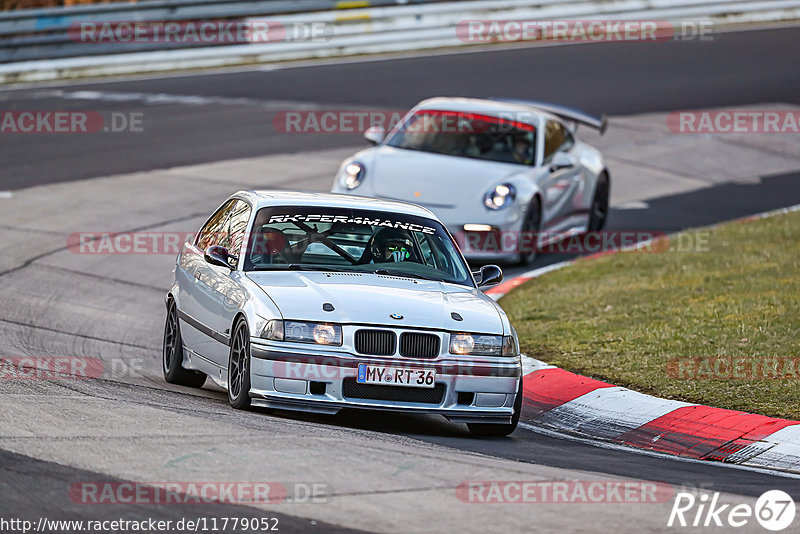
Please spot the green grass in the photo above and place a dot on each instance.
(621, 318)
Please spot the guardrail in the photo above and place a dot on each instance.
(45, 33)
(38, 45)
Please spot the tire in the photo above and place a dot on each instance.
(491, 429)
(598, 213)
(239, 367)
(172, 353)
(531, 223)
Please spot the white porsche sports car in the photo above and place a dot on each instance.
(318, 302)
(505, 176)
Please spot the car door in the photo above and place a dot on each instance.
(189, 272)
(563, 185)
(219, 294)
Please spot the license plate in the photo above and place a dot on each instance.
(396, 376)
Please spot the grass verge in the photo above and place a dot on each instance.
(719, 325)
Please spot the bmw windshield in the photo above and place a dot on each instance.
(338, 239)
(467, 135)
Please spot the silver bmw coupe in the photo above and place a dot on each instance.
(318, 302)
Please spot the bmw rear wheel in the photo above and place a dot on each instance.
(172, 357)
(239, 367)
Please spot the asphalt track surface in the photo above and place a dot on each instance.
(609, 78)
(26, 483)
(735, 69)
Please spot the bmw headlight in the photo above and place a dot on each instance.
(502, 195)
(352, 175)
(300, 332)
(483, 345)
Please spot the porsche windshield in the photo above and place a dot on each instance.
(337, 239)
(467, 135)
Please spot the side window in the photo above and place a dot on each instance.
(569, 141)
(211, 233)
(432, 252)
(425, 247)
(556, 138)
(233, 238)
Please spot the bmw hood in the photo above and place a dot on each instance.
(435, 180)
(371, 299)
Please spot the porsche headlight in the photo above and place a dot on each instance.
(502, 195)
(482, 345)
(300, 332)
(353, 175)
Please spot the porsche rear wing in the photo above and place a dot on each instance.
(566, 113)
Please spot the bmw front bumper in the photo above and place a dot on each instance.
(321, 379)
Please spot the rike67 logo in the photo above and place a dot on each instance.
(774, 510)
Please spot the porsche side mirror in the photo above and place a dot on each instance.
(375, 134)
(561, 160)
(490, 275)
(218, 256)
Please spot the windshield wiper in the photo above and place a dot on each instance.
(303, 267)
(403, 274)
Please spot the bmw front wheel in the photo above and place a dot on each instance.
(239, 367)
(491, 429)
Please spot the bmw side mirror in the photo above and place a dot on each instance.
(218, 256)
(375, 134)
(490, 275)
(561, 160)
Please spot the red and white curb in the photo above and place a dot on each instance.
(576, 405)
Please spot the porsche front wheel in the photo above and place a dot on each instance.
(529, 236)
